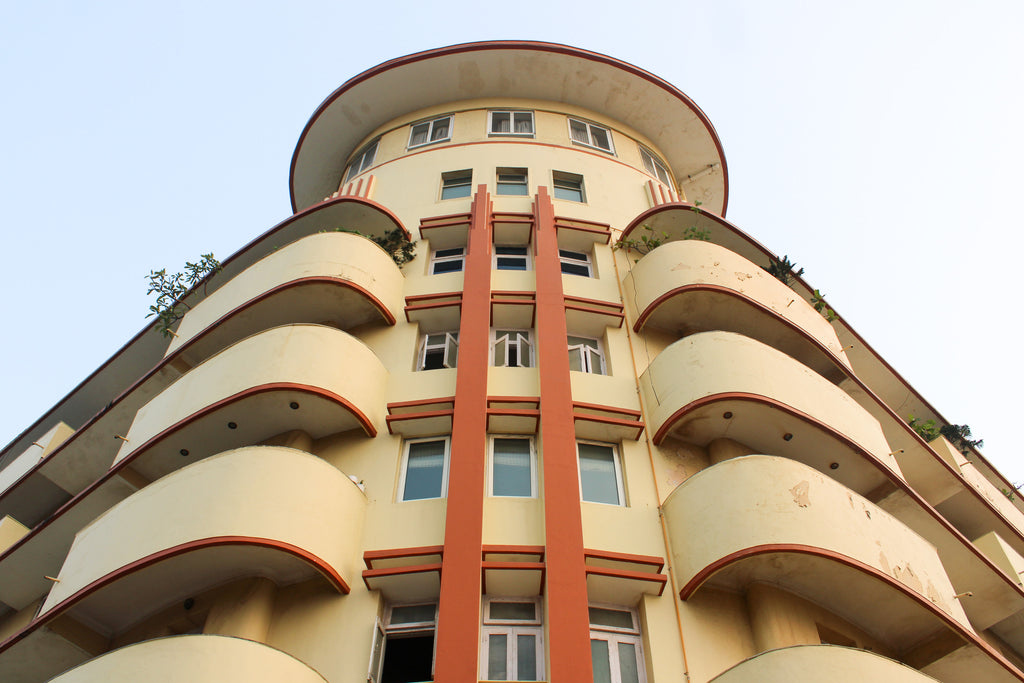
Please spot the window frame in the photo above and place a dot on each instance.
(403, 474)
(384, 629)
(590, 135)
(450, 340)
(511, 123)
(586, 354)
(512, 628)
(430, 123)
(565, 260)
(519, 335)
(616, 635)
(447, 258)
(491, 456)
(512, 171)
(565, 177)
(453, 180)
(652, 164)
(620, 484)
(525, 256)
(365, 162)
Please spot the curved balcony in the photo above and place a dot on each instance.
(262, 511)
(813, 663)
(768, 519)
(194, 658)
(719, 384)
(338, 277)
(298, 377)
(693, 286)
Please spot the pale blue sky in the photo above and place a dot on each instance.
(878, 144)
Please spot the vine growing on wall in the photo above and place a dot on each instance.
(395, 242)
(649, 240)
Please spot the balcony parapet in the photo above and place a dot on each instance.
(715, 384)
(764, 518)
(813, 663)
(692, 286)
(194, 658)
(307, 377)
(336, 276)
(262, 510)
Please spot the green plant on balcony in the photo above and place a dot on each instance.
(782, 269)
(395, 242)
(818, 301)
(171, 288)
(1012, 494)
(958, 435)
(649, 240)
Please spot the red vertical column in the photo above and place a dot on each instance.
(565, 582)
(458, 624)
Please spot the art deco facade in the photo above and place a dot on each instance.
(523, 455)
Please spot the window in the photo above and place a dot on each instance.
(575, 262)
(585, 355)
(511, 258)
(615, 645)
(654, 166)
(427, 132)
(424, 469)
(568, 186)
(456, 184)
(512, 348)
(600, 474)
(447, 260)
(363, 160)
(512, 181)
(403, 648)
(439, 350)
(511, 123)
(591, 135)
(513, 467)
(512, 640)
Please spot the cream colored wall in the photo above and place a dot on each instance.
(713, 362)
(304, 354)
(813, 663)
(258, 492)
(11, 531)
(194, 658)
(31, 456)
(661, 640)
(807, 508)
(716, 631)
(677, 264)
(340, 255)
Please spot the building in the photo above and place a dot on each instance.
(525, 454)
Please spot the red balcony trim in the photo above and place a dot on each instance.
(493, 565)
(128, 459)
(781, 548)
(652, 560)
(370, 556)
(630, 575)
(326, 570)
(383, 572)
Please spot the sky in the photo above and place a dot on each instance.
(878, 144)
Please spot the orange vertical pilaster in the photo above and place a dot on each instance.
(458, 626)
(565, 582)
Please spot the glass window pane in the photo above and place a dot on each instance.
(500, 122)
(500, 343)
(579, 132)
(524, 349)
(524, 122)
(424, 470)
(597, 474)
(412, 614)
(526, 658)
(627, 663)
(599, 659)
(497, 657)
(572, 194)
(452, 346)
(616, 618)
(419, 134)
(575, 269)
(519, 189)
(448, 267)
(512, 477)
(600, 137)
(455, 191)
(510, 263)
(576, 359)
(513, 611)
(440, 253)
(440, 129)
